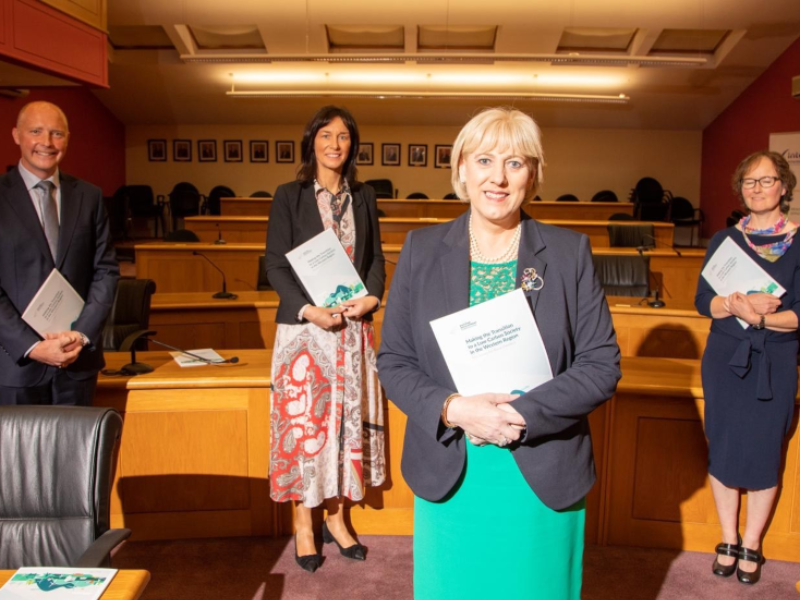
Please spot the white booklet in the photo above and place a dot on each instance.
(730, 270)
(494, 346)
(55, 307)
(325, 270)
(186, 360)
(57, 582)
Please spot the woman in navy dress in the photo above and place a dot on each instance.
(750, 374)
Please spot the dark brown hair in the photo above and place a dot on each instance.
(308, 160)
(785, 174)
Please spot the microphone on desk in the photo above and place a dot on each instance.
(219, 241)
(225, 294)
(656, 302)
(657, 243)
(232, 360)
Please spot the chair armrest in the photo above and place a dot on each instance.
(97, 555)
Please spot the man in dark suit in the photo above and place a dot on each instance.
(51, 220)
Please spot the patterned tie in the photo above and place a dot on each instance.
(49, 212)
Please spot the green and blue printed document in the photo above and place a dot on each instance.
(494, 346)
(325, 270)
(32, 583)
(731, 270)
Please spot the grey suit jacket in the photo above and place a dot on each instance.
(85, 258)
(294, 219)
(432, 280)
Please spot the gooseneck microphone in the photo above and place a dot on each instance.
(656, 302)
(219, 241)
(232, 360)
(658, 243)
(224, 293)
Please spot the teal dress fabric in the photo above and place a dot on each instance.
(491, 537)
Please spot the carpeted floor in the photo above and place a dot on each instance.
(264, 569)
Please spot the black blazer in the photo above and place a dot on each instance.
(294, 219)
(432, 280)
(85, 258)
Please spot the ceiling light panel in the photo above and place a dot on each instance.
(689, 41)
(596, 39)
(365, 38)
(227, 37)
(479, 38)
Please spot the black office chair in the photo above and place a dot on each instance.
(417, 196)
(623, 275)
(263, 280)
(56, 466)
(683, 214)
(621, 217)
(605, 196)
(651, 200)
(451, 196)
(130, 313)
(260, 194)
(384, 188)
(734, 218)
(213, 204)
(181, 235)
(184, 201)
(567, 198)
(631, 236)
(142, 204)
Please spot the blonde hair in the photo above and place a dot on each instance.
(502, 128)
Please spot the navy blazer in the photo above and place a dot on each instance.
(294, 219)
(432, 280)
(85, 258)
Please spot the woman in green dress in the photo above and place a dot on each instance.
(499, 479)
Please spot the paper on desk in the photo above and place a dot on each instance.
(494, 346)
(730, 270)
(184, 360)
(31, 583)
(55, 307)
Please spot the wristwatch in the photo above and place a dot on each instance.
(84, 339)
(761, 324)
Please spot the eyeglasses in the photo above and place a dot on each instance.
(766, 182)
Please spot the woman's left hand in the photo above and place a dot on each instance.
(358, 307)
(739, 305)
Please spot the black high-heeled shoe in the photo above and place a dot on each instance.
(726, 550)
(355, 552)
(309, 562)
(750, 556)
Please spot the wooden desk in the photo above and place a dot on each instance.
(193, 460)
(126, 585)
(447, 209)
(394, 230)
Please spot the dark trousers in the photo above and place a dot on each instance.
(61, 389)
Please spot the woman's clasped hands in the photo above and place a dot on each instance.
(751, 307)
(487, 418)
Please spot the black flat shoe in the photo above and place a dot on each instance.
(310, 562)
(726, 550)
(750, 556)
(356, 551)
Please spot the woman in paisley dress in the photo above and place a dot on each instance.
(327, 440)
(499, 479)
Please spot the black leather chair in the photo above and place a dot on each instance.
(734, 218)
(184, 201)
(683, 214)
(56, 465)
(384, 188)
(450, 196)
(417, 196)
(130, 313)
(213, 204)
(144, 205)
(631, 236)
(651, 200)
(623, 275)
(567, 198)
(263, 281)
(621, 217)
(181, 235)
(260, 194)
(605, 196)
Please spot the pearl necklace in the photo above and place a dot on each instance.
(507, 256)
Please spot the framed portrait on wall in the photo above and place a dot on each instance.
(284, 152)
(207, 150)
(182, 150)
(390, 155)
(157, 150)
(442, 158)
(233, 150)
(259, 151)
(365, 156)
(417, 155)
